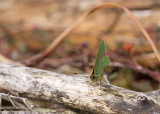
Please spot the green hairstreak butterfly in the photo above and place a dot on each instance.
(102, 60)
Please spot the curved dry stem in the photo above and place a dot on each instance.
(9, 61)
(58, 40)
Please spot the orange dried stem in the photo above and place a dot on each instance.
(66, 32)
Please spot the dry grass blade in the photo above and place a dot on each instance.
(63, 35)
(6, 60)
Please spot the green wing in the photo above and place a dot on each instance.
(101, 60)
(104, 62)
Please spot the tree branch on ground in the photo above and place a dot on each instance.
(75, 91)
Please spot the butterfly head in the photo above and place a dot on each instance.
(92, 77)
(98, 78)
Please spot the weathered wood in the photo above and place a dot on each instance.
(40, 111)
(74, 91)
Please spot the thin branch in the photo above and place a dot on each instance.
(12, 102)
(15, 97)
(16, 102)
(12, 108)
(121, 61)
(127, 63)
(58, 40)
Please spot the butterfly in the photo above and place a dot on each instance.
(102, 60)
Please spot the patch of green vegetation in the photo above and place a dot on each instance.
(122, 78)
(113, 76)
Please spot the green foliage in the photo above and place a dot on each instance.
(113, 76)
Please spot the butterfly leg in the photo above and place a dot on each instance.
(89, 85)
(99, 83)
(106, 80)
(94, 84)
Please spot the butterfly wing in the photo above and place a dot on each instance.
(100, 55)
(104, 62)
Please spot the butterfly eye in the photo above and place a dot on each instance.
(93, 77)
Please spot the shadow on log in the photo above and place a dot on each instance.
(75, 91)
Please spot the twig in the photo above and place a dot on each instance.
(58, 62)
(58, 40)
(16, 102)
(12, 102)
(11, 108)
(24, 101)
(15, 97)
(117, 62)
(126, 63)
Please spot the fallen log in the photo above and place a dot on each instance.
(74, 91)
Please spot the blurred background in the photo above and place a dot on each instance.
(27, 27)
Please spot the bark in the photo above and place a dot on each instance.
(40, 111)
(75, 91)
